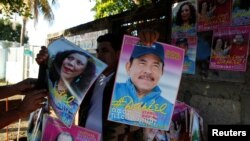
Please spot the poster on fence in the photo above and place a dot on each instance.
(146, 85)
(71, 72)
(212, 14)
(184, 17)
(241, 12)
(189, 44)
(230, 48)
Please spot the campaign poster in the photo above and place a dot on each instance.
(241, 12)
(55, 130)
(179, 128)
(184, 18)
(34, 131)
(230, 48)
(196, 133)
(71, 72)
(146, 85)
(189, 44)
(213, 13)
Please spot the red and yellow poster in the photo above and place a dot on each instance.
(230, 48)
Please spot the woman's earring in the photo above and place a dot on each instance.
(78, 79)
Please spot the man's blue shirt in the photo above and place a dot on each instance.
(189, 65)
(152, 110)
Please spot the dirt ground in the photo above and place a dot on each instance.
(10, 133)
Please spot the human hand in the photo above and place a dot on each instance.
(25, 85)
(42, 56)
(148, 36)
(33, 100)
(149, 133)
(161, 135)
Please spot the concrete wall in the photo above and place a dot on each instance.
(4, 45)
(221, 98)
(14, 65)
(3, 54)
(21, 64)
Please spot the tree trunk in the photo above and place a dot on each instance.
(23, 29)
(23, 32)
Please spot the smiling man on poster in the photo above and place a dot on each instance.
(138, 101)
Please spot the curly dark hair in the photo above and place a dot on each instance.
(192, 19)
(81, 82)
(180, 41)
(115, 40)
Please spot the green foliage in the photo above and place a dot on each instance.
(43, 7)
(28, 9)
(10, 33)
(9, 7)
(105, 8)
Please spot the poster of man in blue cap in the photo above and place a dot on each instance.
(146, 84)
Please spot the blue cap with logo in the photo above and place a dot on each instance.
(156, 49)
(182, 41)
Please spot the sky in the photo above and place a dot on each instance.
(67, 13)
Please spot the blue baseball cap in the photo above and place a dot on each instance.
(156, 49)
(182, 41)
